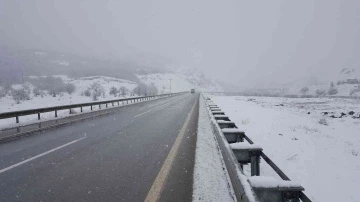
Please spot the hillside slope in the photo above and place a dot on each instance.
(179, 82)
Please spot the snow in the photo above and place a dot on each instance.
(231, 130)
(270, 182)
(244, 145)
(319, 152)
(223, 121)
(211, 181)
(218, 112)
(221, 116)
(64, 63)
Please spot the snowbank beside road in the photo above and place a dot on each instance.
(314, 149)
(210, 177)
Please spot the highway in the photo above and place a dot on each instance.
(141, 152)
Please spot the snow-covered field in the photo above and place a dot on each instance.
(316, 141)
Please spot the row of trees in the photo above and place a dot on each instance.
(96, 90)
(41, 86)
(331, 91)
(143, 89)
(53, 85)
(122, 91)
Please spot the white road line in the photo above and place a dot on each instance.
(40, 155)
(157, 186)
(142, 113)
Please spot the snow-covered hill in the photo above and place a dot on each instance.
(179, 82)
(107, 82)
(346, 82)
(7, 103)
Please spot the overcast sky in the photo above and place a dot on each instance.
(247, 42)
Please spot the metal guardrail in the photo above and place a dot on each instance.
(38, 111)
(249, 94)
(235, 169)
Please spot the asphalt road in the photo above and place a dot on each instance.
(141, 152)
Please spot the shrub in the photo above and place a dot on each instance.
(320, 92)
(323, 122)
(70, 88)
(353, 91)
(87, 93)
(36, 92)
(20, 95)
(304, 90)
(333, 91)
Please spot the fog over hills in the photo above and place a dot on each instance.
(17, 64)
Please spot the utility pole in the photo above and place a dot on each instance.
(170, 85)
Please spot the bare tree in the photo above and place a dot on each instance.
(2, 92)
(332, 89)
(123, 91)
(152, 89)
(140, 89)
(36, 91)
(96, 90)
(113, 91)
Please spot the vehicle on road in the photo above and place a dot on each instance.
(192, 90)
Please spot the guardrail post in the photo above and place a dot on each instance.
(56, 113)
(255, 163)
(106, 105)
(38, 116)
(246, 153)
(112, 103)
(99, 106)
(81, 109)
(17, 119)
(91, 107)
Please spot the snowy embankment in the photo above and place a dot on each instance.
(316, 142)
(211, 181)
